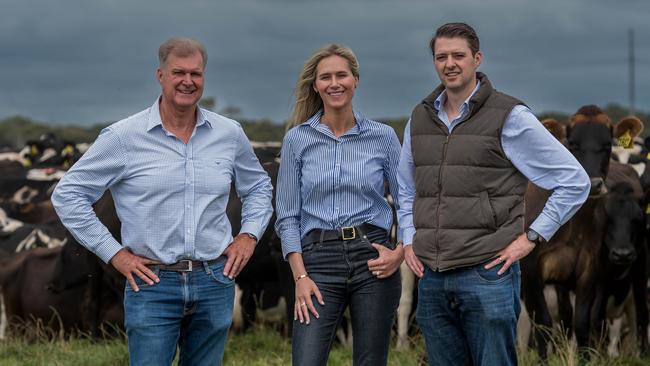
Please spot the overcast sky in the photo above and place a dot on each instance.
(94, 61)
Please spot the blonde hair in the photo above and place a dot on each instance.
(308, 102)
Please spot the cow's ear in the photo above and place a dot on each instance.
(630, 124)
(555, 128)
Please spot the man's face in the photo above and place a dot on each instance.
(181, 80)
(455, 64)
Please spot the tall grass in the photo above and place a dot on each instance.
(262, 347)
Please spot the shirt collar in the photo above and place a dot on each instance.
(155, 119)
(437, 104)
(360, 126)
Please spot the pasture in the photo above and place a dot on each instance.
(262, 347)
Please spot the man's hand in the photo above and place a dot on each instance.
(387, 262)
(512, 253)
(238, 253)
(128, 263)
(413, 262)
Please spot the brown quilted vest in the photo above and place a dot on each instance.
(469, 201)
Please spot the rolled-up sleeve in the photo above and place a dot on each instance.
(548, 164)
(406, 183)
(253, 185)
(99, 168)
(288, 201)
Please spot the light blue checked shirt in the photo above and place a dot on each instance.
(170, 197)
(327, 182)
(538, 155)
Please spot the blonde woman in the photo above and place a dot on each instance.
(332, 216)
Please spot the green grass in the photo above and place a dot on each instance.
(263, 347)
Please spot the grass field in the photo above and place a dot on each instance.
(263, 347)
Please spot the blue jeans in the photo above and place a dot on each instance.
(190, 309)
(340, 270)
(469, 315)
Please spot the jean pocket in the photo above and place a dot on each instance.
(216, 272)
(491, 275)
(140, 282)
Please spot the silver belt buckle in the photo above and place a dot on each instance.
(189, 265)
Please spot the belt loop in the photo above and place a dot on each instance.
(206, 267)
(322, 234)
(361, 233)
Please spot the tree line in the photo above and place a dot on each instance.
(16, 130)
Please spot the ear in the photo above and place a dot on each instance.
(478, 58)
(555, 128)
(159, 74)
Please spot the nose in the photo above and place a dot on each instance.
(187, 78)
(623, 255)
(597, 186)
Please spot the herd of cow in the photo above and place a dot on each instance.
(590, 278)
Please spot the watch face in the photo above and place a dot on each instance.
(532, 236)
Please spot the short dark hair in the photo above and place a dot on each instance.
(456, 30)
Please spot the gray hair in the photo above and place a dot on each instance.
(181, 47)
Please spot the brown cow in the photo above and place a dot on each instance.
(25, 279)
(572, 258)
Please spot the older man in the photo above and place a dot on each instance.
(169, 169)
(468, 154)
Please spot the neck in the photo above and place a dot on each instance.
(180, 122)
(456, 98)
(339, 120)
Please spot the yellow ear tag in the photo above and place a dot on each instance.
(27, 162)
(34, 150)
(648, 156)
(625, 140)
(647, 209)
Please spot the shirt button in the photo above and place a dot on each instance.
(188, 231)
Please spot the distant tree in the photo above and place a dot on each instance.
(209, 103)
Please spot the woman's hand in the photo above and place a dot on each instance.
(388, 261)
(305, 288)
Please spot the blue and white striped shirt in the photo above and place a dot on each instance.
(327, 182)
(171, 197)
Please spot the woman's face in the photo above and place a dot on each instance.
(335, 83)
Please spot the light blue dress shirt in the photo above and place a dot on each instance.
(327, 182)
(171, 197)
(532, 150)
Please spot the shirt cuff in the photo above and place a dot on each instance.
(107, 250)
(407, 235)
(252, 228)
(545, 226)
(290, 244)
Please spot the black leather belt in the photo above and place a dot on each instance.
(184, 265)
(344, 233)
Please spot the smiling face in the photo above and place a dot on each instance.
(335, 83)
(181, 80)
(455, 64)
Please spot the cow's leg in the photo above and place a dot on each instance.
(630, 346)
(639, 291)
(524, 327)
(585, 296)
(565, 309)
(3, 317)
(532, 289)
(405, 306)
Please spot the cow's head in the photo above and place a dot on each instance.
(625, 225)
(589, 138)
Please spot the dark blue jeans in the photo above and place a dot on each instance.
(469, 315)
(190, 309)
(340, 270)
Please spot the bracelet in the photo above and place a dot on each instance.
(301, 277)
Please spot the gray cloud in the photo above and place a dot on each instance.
(85, 62)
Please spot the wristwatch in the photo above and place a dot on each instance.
(534, 237)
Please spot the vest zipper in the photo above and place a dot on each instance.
(442, 166)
